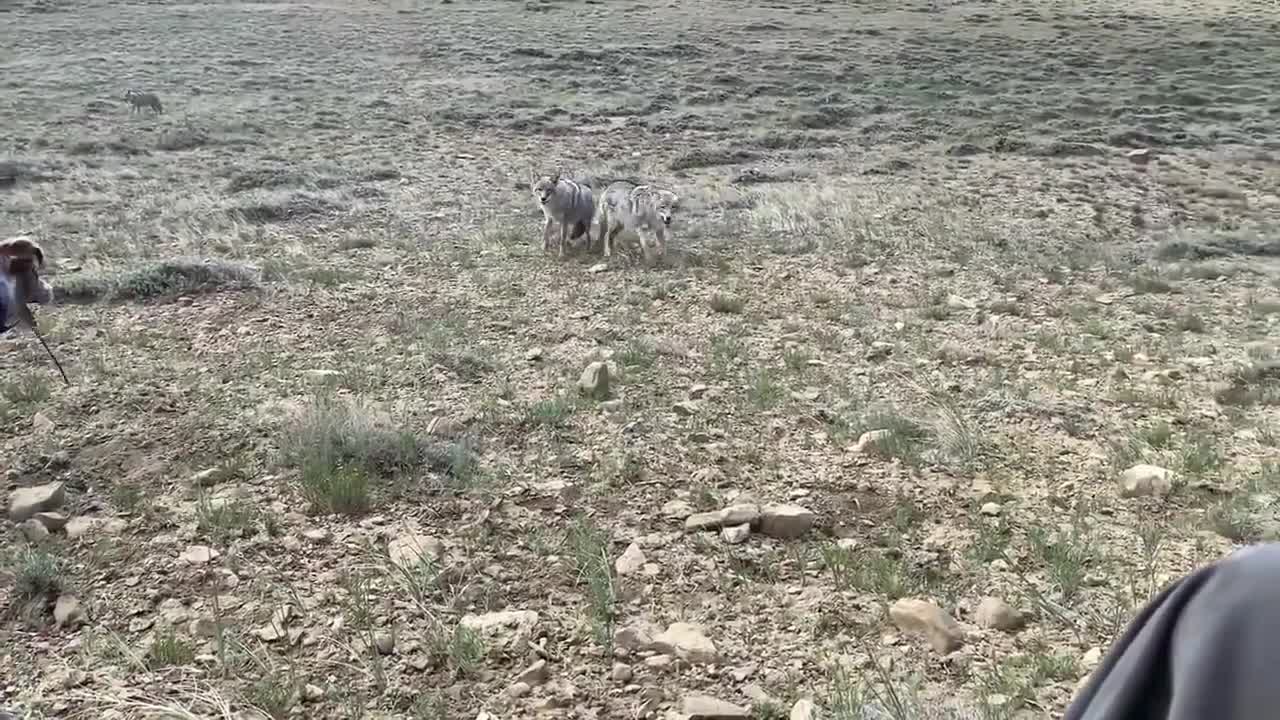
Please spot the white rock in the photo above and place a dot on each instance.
(687, 642)
(26, 502)
(594, 382)
(1142, 479)
(735, 534)
(785, 521)
(631, 560)
(410, 549)
(923, 618)
(870, 439)
(199, 555)
(992, 612)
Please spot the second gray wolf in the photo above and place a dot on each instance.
(644, 209)
(567, 202)
(139, 100)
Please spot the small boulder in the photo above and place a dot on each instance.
(534, 675)
(924, 619)
(26, 502)
(410, 549)
(705, 707)
(33, 530)
(1143, 480)
(631, 560)
(742, 513)
(199, 555)
(735, 534)
(870, 439)
(67, 612)
(992, 612)
(785, 521)
(384, 642)
(594, 382)
(52, 521)
(804, 709)
(687, 642)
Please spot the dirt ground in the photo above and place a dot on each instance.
(941, 273)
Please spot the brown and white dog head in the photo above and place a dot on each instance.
(21, 260)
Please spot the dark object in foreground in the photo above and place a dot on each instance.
(1205, 648)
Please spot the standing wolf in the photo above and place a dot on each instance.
(644, 209)
(566, 202)
(139, 100)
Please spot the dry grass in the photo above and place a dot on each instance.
(306, 312)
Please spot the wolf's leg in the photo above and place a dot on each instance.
(564, 237)
(611, 239)
(546, 233)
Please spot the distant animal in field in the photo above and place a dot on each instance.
(21, 260)
(139, 100)
(567, 202)
(643, 209)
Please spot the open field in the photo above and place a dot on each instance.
(326, 420)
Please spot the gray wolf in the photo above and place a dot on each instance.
(139, 100)
(21, 260)
(643, 209)
(566, 202)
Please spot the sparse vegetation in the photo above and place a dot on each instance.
(937, 304)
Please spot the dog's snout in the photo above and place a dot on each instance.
(666, 219)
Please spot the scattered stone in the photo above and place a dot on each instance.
(687, 408)
(384, 642)
(677, 509)
(206, 478)
(410, 549)
(955, 302)
(52, 521)
(33, 530)
(534, 675)
(594, 382)
(26, 502)
(621, 672)
(757, 695)
(1140, 156)
(1091, 658)
(277, 627)
(519, 689)
(598, 268)
(1141, 480)
(705, 707)
(321, 376)
(199, 555)
(804, 709)
(632, 560)
(871, 438)
(318, 536)
(687, 642)
(511, 629)
(785, 521)
(923, 618)
(735, 534)
(312, 693)
(445, 427)
(992, 612)
(67, 612)
(635, 636)
(533, 354)
(991, 509)
(733, 515)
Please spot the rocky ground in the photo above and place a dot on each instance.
(964, 347)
